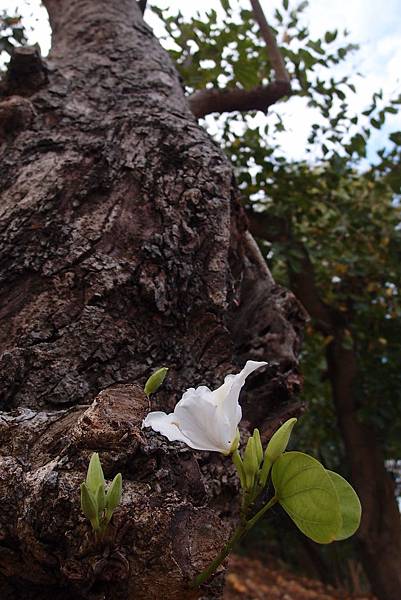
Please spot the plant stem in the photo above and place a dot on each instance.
(262, 511)
(208, 572)
(241, 530)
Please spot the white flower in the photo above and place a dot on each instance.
(205, 419)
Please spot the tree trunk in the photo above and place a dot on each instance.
(123, 248)
(379, 535)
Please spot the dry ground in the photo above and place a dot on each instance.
(249, 579)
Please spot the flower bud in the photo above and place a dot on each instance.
(89, 506)
(258, 445)
(94, 476)
(155, 381)
(276, 446)
(250, 462)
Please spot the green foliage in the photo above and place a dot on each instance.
(224, 53)
(12, 34)
(350, 507)
(306, 492)
(321, 503)
(97, 504)
(155, 381)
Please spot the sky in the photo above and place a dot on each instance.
(375, 26)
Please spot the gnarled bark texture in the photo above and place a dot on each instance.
(123, 248)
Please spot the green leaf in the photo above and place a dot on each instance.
(301, 7)
(155, 381)
(396, 137)
(279, 441)
(330, 36)
(350, 506)
(226, 5)
(246, 75)
(307, 494)
(94, 476)
(89, 506)
(113, 496)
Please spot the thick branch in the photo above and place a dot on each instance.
(273, 50)
(207, 101)
(142, 5)
(26, 72)
(212, 100)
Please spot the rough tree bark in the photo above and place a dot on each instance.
(123, 248)
(380, 533)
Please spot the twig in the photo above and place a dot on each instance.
(273, 50)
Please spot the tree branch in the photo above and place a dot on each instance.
(212, 100)
(207, 101)
(142, 5)
(273, 50)
(26, 72)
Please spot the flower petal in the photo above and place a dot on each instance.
(167, 425)
(164, 423)
(199, 420)
(230, 405)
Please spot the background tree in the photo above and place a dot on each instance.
(123, 247)
(330, 231)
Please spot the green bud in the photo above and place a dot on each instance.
(265, 470)
(250, 462)
(279, 441)
(101, 498)
(155, 381)
(89, 506)
(94, 476)
(258, 445)
(276, 446)
(113, 496)
(237, 460)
